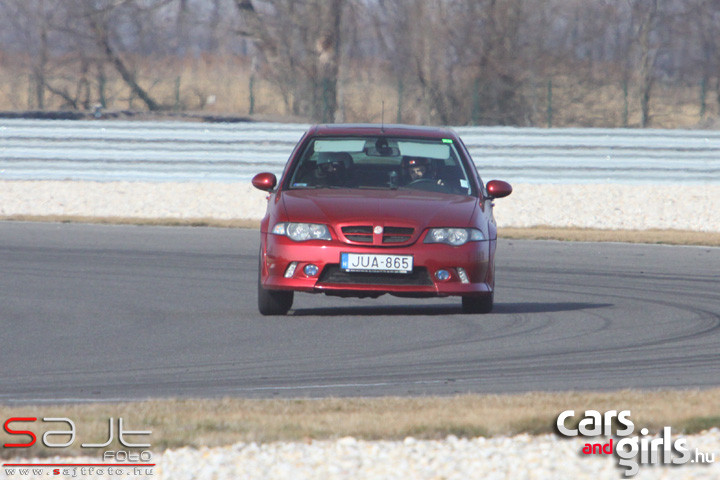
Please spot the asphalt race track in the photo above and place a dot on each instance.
(94, 312)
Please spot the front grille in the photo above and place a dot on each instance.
(333, 274)
(359, 233)
(364, 234)
(397, 234)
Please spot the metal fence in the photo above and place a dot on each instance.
(233, 152)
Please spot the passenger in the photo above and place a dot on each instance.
(332, 169)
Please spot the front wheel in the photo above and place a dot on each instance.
(481, 304)
(274, 302)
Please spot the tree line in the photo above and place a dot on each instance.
(455, 61)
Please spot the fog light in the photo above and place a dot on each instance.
(463, 275)
(310, 270)
(290, 270)
(442, 275)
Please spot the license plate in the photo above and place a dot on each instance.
(375, 262)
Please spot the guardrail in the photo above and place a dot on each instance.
(184, 151)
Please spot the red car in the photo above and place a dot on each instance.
(364, 210)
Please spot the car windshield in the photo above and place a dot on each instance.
(382, 162)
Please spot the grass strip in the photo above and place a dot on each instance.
(218, 422)
(570, 234)
(142, 221)
(669, 237)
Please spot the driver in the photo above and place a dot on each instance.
(416, 168)
(417, 171)
(419, 168)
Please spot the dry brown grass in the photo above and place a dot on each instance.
(221, 85)
(195, 423)
(669, 237)
(578, 102)
(169, 222)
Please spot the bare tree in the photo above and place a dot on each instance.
(704, 15)
(32, 19)
(462, 55)
(100, 17)
(646, 13)
(67, 40)
(300, 43)
(453, 61)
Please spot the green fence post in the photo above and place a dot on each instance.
(177, 93)
(625, 103)
(102, 84)
(251, 88)
(474, 116)
(325, 101)
(399, 104)
(549, 104)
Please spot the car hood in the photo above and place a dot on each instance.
(401, 207)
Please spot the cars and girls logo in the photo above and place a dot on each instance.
(132, 458)
(630, 450)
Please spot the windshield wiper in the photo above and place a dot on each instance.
(315, 187)
(375, 187)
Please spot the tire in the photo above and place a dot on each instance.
(273, 302)
(483, 304)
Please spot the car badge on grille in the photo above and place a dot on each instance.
(378, 230)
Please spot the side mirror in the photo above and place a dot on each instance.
(498, 189)
(264, 181)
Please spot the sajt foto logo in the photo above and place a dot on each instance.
(25, 430)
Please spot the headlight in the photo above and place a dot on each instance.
(301, 232)
(454, 236)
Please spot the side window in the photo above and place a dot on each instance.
(473, 169)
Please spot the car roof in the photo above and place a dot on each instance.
(373, 129)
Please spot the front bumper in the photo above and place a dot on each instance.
(475, 258)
